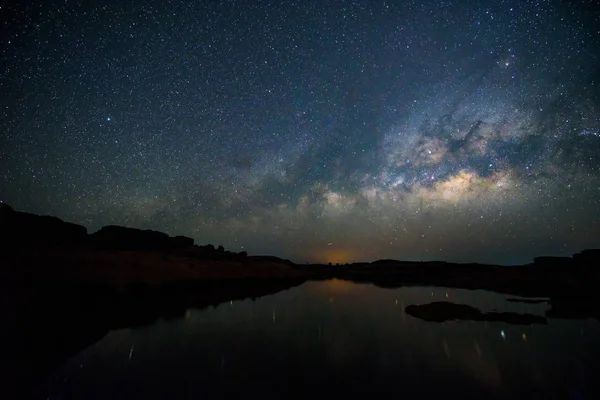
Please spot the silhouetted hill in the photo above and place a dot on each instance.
(590, 256)
(390, 262)
(122, 238)
(47, 249)
(272, 259)
(21, 229)
(115, 237)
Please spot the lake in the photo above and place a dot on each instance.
(336, 338)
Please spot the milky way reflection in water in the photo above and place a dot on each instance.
(336, 338)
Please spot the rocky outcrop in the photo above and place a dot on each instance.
(444, 311)
(26, 230)
(182, 241)
(117, 237)
(123, 238)
(587, 257)
(546, 261)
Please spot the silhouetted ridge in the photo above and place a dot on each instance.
(590, 256)
(182, 241)
(272, 259)
(550, 262)
(122, 238)
(21, 229)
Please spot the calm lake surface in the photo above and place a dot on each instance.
(338, 339)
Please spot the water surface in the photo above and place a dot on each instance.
(337, 338)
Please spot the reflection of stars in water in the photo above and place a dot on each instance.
(131, 352)
(477, 348)
(503, 335)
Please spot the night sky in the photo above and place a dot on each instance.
(312, 130)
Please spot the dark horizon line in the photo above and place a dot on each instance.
(315, 263)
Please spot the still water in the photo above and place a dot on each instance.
(339, 339)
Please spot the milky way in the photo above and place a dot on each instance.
(312, 130)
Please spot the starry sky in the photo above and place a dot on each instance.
(312, 130)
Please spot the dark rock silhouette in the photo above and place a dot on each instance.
(122, 238)
(182, 241)
(552, 262)
(445, 311)
(274, 260)
(590, 256)
(21, 229)
(60, 253)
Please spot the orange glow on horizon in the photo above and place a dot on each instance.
(335, 256)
